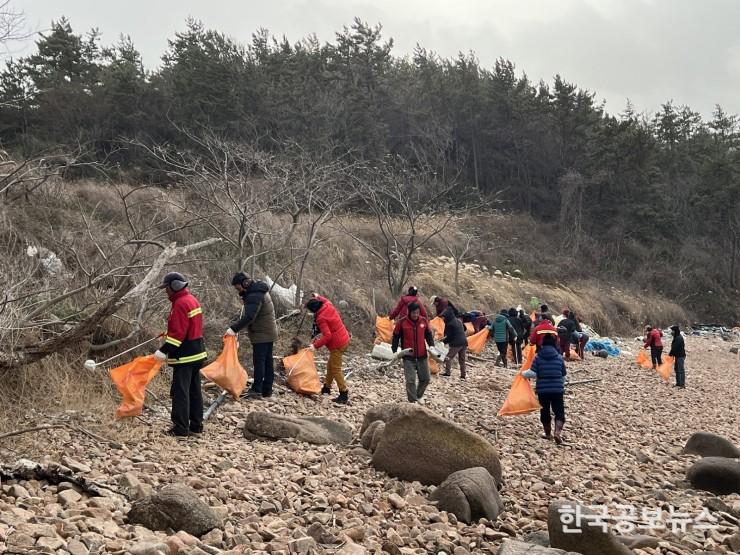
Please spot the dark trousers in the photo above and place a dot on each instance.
(656, 355)
(679, 367)
(516, 349)
(187, 398)
(502, 347)
(564, 345)
(554, 401)
(264, 369)
(460, 353)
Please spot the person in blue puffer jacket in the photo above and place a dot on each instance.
(549, 369)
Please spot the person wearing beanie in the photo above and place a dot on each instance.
(185, 351)
(401, 310)
(549, 369)
(678, 352)
(457, 341)
(258, 317)
(503, 333)
(414, 336)
(654, 340)
(334, 336)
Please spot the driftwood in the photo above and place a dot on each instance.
(53, 474)
(584, 381)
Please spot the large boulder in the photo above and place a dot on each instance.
(385, 413)
(177, 507)
(419, 445)
(711, 445)
(470, 495)
(516, 547)
(592, 539)
(371, 436)
(311, 429)
(719, 475)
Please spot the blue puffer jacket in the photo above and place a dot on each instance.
(549, 368)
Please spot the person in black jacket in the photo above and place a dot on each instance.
(457, 341)
(516, 341)
(678, 351)
(258, 317)
(567, 327)
(526, 325)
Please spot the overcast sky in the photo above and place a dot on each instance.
(648, 51)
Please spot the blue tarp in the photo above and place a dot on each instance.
(604, 344)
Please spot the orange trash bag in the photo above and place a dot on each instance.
(643, 359)
(438, 327)
(521, 398)
(383, 330)
(226, 370)
(301, 371)
(666, 368)
(433, 366)
(469, 329)
(477, 342)
(131, 380)
(528, 354)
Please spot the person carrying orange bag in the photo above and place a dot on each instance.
(131, 380)
(184, 350)
(549, 369)
(226, 371)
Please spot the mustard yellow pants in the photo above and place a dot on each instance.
(334, 369)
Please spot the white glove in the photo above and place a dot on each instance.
(403, 353)
(311, 347)
(159, 355)
(436, 355)
(230, 332)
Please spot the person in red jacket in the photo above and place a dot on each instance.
(402, 310)
(335, 337)
(654, 340)
(414, 334)
(542, 329)
(185, 351)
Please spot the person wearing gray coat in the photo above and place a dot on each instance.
(258, 316)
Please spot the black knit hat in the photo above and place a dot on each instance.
(314, 305)
(239, 278)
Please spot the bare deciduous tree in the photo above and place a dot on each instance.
(93, 284)
(410, 207)
(459, 247)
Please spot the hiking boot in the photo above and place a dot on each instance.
(172, 432)
(421, 402)
(462, 376)
(548, 431)
(446, 374)
(254, 394)
(196, 430)
(326, 390)
(558, 428)
(343, 398)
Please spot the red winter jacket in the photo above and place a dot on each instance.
(654, 339)
(183, 343)
(543, 328)
(333, 333)
(402, 308)
(413, 334)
